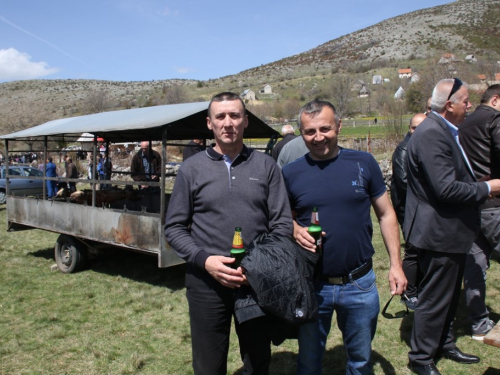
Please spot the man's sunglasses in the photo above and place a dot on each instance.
(457, 83)
(397, 315)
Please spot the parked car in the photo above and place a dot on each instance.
(20, 186)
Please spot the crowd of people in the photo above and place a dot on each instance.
(446, 176)
(443, 190)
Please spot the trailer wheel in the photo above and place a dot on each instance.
(3, 197)
(70, 254)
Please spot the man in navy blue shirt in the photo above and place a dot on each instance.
(343, 184)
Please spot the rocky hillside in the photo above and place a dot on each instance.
(462, 27)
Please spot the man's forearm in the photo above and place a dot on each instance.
(390, 234)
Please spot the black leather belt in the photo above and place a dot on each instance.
(354, 275)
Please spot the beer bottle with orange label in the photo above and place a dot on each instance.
(237, 250)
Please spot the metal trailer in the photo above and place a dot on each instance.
(133, 225)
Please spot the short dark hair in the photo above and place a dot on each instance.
(223, 96)
(49, 159)
(314, 107)
(490, 92)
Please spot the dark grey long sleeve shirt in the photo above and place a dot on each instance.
(209, 201)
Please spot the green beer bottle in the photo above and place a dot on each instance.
(237, 250)
(315, 230)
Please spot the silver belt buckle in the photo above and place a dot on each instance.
(335, 280)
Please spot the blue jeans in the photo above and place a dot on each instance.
(51, 188)
(357, 306)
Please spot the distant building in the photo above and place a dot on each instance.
(377, 80)
(481, 77)
(248, 95)
(470, 58)
(358, 85)
(266, 89)
(387, 80)
(447, 58)
(404, 73)
(363, 92)
(400, 94)
(415, 77)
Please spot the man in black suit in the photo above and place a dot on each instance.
(441, 221)
(480, 139)
(288, 134)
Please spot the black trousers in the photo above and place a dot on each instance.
(438, 295)
(410, 268)
(211, 307)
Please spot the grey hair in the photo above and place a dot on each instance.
(314, 107)
(287, 129)
(441, 92)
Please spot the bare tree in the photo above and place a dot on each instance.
(291, 108)
(96, 101)
(262, 111)
(341, 93)
(421, 91)
(489, 67)
(24, 114)
(394, 110)
(175, 94)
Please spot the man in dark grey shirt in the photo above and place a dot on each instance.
(224, 187)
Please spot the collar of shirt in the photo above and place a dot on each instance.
(454, 132)
(453, 128)
(212, 154)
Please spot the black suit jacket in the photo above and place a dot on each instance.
(443, 198)
(279, 146)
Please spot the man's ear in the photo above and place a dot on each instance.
(448, 106)
(209, 124)
(495, 101)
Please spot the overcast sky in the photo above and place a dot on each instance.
(144, 40)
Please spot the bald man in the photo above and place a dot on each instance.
(398, 198)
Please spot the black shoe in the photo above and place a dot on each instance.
(459, 357)
(424, 369)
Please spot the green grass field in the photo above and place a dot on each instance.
(123, 315)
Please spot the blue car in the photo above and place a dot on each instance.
(20, 186)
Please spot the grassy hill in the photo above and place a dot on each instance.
(416, 40)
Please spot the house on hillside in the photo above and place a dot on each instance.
(400, 94)
(446, 58)
(482, 77)
(266, 89)
(415, 77)
(248, 95)
(363, 92)
(377, 80)
(470, 58)
(404, 73)
(358, 85)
